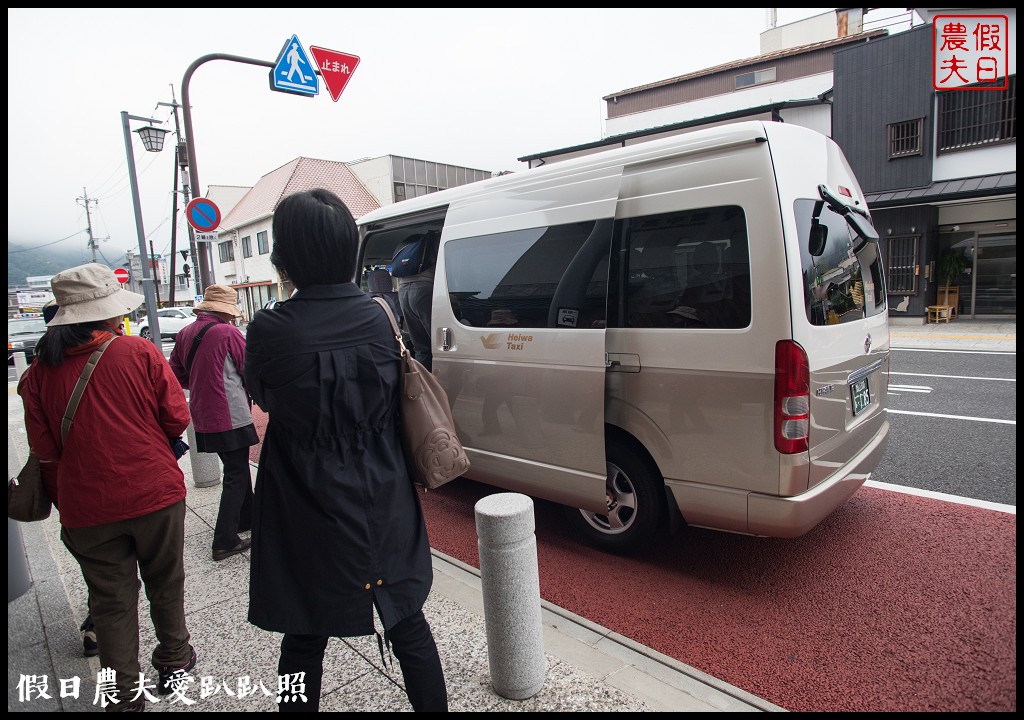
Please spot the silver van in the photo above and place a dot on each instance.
(691, 330)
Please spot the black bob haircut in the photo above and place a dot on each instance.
(315, 239)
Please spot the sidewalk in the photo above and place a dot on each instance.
(588, 668)
(959, 334)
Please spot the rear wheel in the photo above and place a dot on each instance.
(635, 500)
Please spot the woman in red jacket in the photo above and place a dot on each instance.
(121, 513)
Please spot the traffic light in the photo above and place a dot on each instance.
(186, 269)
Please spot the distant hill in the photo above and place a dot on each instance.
(23, 262)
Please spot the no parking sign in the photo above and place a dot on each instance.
(203, 215)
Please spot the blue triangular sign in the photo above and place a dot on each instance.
(293, 72)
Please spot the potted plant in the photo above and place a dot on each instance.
(951, 267)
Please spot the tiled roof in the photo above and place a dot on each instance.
(959, 189)
(301, 174)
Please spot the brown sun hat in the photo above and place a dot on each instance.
(90, 293)
(221, 299)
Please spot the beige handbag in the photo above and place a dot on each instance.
(433, 451)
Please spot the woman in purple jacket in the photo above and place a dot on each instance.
(208, 359)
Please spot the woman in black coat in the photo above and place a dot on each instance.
(337, 525)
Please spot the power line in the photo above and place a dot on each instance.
(13, 252)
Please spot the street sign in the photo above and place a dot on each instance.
(202, 237)
(336, 68)
(121, 274)
(293, 73)
(203, 215)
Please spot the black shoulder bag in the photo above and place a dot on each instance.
(195, 346)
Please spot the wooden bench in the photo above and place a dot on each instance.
(946, 302)
(938, 312)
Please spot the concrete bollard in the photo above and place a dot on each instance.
(20, 365)
(511, 593)
(205, 466)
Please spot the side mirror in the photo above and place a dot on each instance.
(819, 236)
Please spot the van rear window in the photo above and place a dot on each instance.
(842, 272)
(688, 269)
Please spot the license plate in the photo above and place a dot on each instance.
(861, 395)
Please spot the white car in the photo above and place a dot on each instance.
(171, 320)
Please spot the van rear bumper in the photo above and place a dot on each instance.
(793, 516)
(749, 513)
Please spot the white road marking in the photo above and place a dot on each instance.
(954, 417)
(956, 377)
(1011, 509)
(912, 388)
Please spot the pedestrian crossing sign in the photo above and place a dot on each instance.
(293, 73)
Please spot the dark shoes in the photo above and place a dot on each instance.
(241, 547)
(90, 648)
(169, 674)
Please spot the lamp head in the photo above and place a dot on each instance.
(152, 137)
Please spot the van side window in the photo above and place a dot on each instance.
(553, 277)
(844, 282)
(686, 269)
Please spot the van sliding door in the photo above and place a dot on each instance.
(520, 304)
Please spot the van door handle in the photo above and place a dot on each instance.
(446, 339)
(622, 362)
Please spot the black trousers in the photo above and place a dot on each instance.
(413, 645)
(235, 499)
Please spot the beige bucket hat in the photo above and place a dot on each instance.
(221, 299)
(90, 293)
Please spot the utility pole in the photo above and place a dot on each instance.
(131, 270)
(92, 240)
(156, 274)
(181, 156)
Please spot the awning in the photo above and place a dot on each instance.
(946, 190)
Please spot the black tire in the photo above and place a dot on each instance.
(636, 504)
(145, 333)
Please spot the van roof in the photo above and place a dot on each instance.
(705, 139)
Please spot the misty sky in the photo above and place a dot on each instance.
(477, 87)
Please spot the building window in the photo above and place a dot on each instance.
(758, 77)
(247, 246)
(901, 261)
(905, 138)
(969, 118)
(226, 250)
(262, 243)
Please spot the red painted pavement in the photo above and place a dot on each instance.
(894, 603)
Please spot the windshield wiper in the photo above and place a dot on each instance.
(857, 218)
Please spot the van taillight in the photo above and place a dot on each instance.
(792, 398)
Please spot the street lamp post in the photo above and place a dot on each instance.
(203, 271)
(153, 141)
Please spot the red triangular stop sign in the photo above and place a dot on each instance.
(335, 67)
